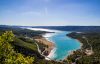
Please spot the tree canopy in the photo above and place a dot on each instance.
(7, 53)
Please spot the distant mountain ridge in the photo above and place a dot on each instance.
(64, 28)
(73, 28)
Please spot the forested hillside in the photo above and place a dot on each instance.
(90, 51)
(7, 53)
(18, 47)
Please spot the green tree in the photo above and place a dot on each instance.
(7, 53)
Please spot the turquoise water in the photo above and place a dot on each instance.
(63, 45)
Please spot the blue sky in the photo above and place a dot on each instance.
(50, 12)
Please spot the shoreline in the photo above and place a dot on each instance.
(81, 44)
(71, 52)
(46, 41)
(50, 45)
(52, 48)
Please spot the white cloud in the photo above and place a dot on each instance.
(32, 13)
(45, 11)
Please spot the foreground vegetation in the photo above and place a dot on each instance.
(90, 51)
(7, 53)
(19, 48)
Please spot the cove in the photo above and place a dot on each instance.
(63, 45)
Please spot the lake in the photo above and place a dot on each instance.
(63, 44)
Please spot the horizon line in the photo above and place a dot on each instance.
(50, 25)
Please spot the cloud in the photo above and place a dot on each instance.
(46, 11)
(32, 13)
(43, 12)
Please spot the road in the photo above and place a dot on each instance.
(41, 52)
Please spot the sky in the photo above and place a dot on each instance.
(50, 12)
